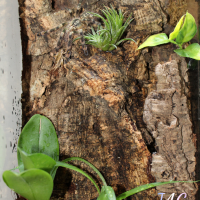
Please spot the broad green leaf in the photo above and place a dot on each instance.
(62, 164)
(32, 184)
(188, 29)
(155, 40)
(147, 186)
(37, 160)
(38, 136)
(174, 34)
(192, 51)
(107, 193)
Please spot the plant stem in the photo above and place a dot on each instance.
(62, 164)
(172, 41)
(92, 166)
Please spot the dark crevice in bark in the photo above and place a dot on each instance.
(27, 59)
(53, 4)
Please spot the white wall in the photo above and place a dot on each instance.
(10, 89)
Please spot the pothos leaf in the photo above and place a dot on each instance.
(155, 40)
(192, 51)
(174, 34)
(188, 30)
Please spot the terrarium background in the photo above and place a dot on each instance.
(96, 102)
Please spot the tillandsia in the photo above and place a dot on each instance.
(107, 38)
(38, 154)
(184, 31)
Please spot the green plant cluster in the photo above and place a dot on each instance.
(184, 31)
(38, 160)
(107, 38)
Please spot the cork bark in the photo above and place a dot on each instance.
(97, 101)
(167, 117)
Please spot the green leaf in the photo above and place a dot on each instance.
(128, 21)
(147, 186)
(192, 51)
(174, 34)
(62, 164)
(199, 32)
(188, 29)
(122, 40)
(155, 40)
(105, 22)
(102, 196)
(38, 136)
(33, 184)
(107, 193)
(37, 160)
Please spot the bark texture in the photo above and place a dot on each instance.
(96, 102)
(166, 114)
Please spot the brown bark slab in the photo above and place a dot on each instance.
(166, 114)
(96, 102)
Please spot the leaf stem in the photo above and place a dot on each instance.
(172, 41)
(62, 164)
(92, 166)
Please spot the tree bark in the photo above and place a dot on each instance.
(166, 115)
(97, 101)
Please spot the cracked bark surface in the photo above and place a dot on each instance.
(96, 102)
(166, 114)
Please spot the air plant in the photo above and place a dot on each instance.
(107, 38)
